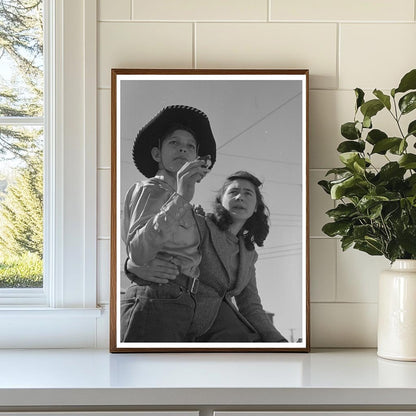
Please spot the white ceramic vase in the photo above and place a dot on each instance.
(397, 312)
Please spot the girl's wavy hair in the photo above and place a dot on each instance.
(256, 228)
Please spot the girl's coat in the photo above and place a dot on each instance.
(215, 285)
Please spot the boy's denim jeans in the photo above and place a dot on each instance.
(156, 313)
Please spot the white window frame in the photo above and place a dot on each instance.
(64, 313)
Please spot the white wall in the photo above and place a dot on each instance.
(345, 44)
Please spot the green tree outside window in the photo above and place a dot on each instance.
(21, 143)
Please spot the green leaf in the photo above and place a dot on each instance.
(374, 136)
(375, 211)
(413, 210)
(408, 82)
(338, 171)
(411, 130)
(340, 180)
(375, 244)
(402, 147)
(393, 196)
(411, 180)
(371, 108)
(367, 122)
(383, 145)
(391, 212)
(333, 229)
(349, 158)
(359, 166)
(353, 187)
(393, 250)
(369, 201)
(385, 99)
(349, 146)
(398, 149)
(350, 131)
(346, 242)
(354, 161)
(411, 183)
(342, 211)
(408, 102)
(407, 239)
(391, 170)
(325, 186)
(412, 202)
(361, 231)
(408, 161)
(338, 190)
(359, 95)
(369, 248)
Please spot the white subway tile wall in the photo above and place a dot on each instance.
(200, 10)
(103, 269)
(114, 10)
(145, 45)
(328, 109)
(357, 275)
(345, 44)
(270, 45)
(319, 203)
(364, 49)
(104, 128)
(338, 325)
(104, 202)
(355, 10)
(323, 269)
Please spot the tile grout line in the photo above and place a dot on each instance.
(336, 271)
(269, 11)
(254, 21)
(194, 63)
(323, 237)
(345, 302)
(338, 63)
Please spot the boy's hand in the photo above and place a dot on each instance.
(188, 175)
(159, 270)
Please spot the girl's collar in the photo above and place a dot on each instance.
(240, 230)
(231, 236)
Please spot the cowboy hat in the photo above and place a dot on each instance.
(151, 134)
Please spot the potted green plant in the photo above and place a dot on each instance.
(376, 205)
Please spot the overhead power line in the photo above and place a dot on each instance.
(280, 162)
(258, 121)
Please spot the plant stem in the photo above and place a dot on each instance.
(385, 228)
(397, 118)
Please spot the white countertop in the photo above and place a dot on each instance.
(96, 377)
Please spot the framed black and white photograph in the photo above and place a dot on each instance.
(209, 211)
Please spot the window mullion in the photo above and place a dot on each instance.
(22, 121)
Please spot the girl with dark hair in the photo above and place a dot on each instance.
(228, 306)
(256, 228)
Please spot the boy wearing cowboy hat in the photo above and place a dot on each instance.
(158, 217)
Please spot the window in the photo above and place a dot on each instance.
(22, 128)
(63, 312)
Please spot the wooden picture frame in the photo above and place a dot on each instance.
(259, 119)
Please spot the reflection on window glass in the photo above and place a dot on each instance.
(21, 143)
